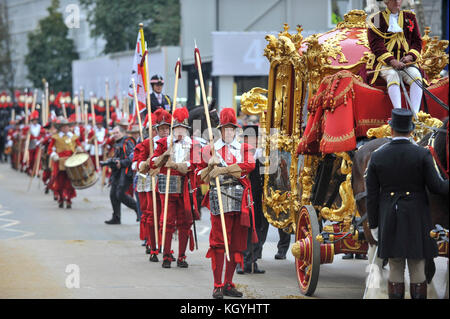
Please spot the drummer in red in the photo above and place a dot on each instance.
(232, 162)
(62, 145)
(161, 121)
(181, 158)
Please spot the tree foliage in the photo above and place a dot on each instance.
(51, 52)
(117, 22)
(6, 65)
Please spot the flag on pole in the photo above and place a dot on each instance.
(139, 73)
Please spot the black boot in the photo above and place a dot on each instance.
(348, 256)
(61, 205)
(256, 270)
(239, 269)
(181, 262)
(396, 290)
(361, 256)
(166, 261)
(280, 256)
(230, 291)
(218, 293)
(153, 257)
(113, 221)
(418, 291)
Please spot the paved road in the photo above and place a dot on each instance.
(43, 248)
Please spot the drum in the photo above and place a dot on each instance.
(81, 171)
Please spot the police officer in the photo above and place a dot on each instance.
(397, 205)
(158, 99)
(122, 174)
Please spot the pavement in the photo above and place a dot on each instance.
(47, 252)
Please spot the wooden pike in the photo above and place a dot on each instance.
(26, 155)
(97, 162)
(36, 167)
(198, 64)
(169, 145)
(151, 150)
(107, 102)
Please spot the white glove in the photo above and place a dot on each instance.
(374, 233)
(54, 157)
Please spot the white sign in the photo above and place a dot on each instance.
(239, 54)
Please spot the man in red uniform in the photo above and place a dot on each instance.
(36, 133)
(231, 162)
(179, 153)
(62, 145)
(45, 163)
(99, 133)
(394, 38)
(162, 120)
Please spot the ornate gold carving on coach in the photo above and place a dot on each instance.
(281, 203)
(433, 59)
(254, 102)
(306, 178)
(353, 19)
(348, 207)
(424, 122)
(333, 46)
(314, 62)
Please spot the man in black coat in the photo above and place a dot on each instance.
(254, 250)
(121, 175)
(397, 205)
(157, 98)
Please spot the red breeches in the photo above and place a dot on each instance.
(63, 187)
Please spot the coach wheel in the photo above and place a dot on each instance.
(307, 261)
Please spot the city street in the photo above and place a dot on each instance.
(42, 247)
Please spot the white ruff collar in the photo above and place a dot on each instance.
(393, 24)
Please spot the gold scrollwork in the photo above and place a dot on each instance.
(254, 102)
(353, 19)
(423, 124)
(348, 207)
(433, 56)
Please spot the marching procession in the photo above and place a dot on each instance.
(357, 163)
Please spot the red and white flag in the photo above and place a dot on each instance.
(139, 74)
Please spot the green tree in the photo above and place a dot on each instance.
(51, 52)
(6, 65)
(117, 22)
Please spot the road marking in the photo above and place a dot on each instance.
(10, 223)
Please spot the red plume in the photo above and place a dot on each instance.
(228, 116)
(181, 114)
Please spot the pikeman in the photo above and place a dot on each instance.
(36, 133)
(232, 163)
(161, 119)
(179, 153)
(100, 133)
(62, 145)
(45, 162)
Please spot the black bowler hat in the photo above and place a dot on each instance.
(250, 130)
(401, 120)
